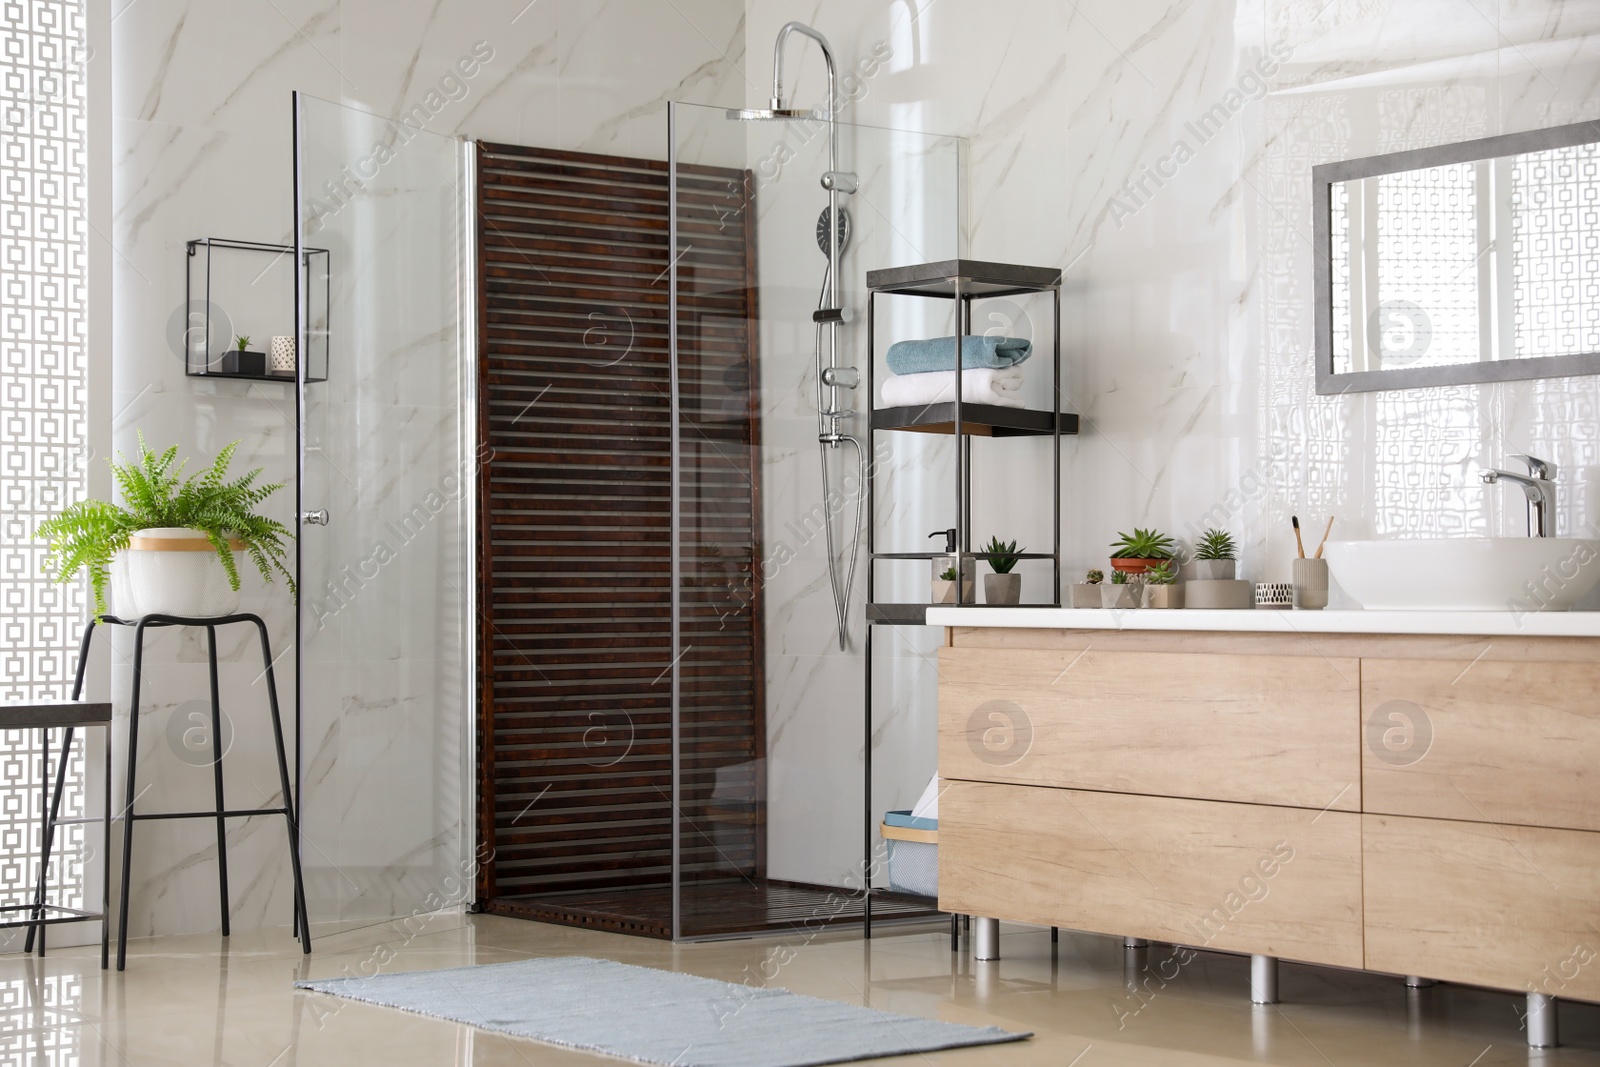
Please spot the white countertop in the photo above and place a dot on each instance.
(1267, 620)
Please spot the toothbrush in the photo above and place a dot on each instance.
(1301, 545)
(1325, 534)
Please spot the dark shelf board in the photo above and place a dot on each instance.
(970, 555)
(977, 420)
(898, 614)
(49, 714)
(289, 378)
(977, 277)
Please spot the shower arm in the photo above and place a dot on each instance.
(831, 437)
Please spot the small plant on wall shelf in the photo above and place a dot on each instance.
(1095, 577)
(948, 574)
(1134, 553)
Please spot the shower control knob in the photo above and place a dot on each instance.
(315, 518)
(843, 377)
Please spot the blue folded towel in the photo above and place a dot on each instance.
(939, 353)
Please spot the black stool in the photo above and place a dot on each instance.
(67, 715)
(302, 928)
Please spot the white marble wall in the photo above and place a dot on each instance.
(1188, 333)
(202, 147)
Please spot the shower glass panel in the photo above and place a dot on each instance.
(383, 636)
(773, 828)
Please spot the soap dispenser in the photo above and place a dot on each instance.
(969, 566)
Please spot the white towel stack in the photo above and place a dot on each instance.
(999, 386)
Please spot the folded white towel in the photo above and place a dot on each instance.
(981, 385)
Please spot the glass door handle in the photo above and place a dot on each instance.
(315, 518)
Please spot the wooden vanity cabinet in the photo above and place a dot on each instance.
(1425, 805)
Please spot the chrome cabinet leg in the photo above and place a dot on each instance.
(1135, 942)
(1414, 982)
(1263, 980)
(1542, 1032)
(986, 939)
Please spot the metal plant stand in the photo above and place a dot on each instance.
(222, 813)
(964, 281)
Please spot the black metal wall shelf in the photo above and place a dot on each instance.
(222, 295)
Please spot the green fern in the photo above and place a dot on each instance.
(155, 494)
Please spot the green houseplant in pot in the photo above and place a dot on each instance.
(1086, 594)
(1216, 557)
(1004, 586)
(944, 588)
(1161, 588)
(169, 548)
(1121, 592)
(1134, 553)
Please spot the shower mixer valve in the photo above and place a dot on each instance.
(841, 377)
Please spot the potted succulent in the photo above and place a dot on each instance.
(1134, 553)
(944, 588)
(239, 360)
(1120, 592)
(1161, 588)
(1216, 558)
(169, 547)
(1086, 594)
(1003, 586)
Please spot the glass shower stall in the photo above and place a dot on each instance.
(728, 792)
(799, 569)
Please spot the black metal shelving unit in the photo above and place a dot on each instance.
(203, 360)
(963, 281)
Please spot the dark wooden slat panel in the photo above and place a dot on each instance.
(575, 556)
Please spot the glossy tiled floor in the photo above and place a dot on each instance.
(201, 1000)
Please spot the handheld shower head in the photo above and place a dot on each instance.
(822, 229)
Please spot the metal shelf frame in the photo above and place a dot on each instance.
(962, 281)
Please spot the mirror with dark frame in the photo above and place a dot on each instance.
(1469, 262)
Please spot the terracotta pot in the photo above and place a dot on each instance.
(1135, 566)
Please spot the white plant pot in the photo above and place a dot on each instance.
(171, 571)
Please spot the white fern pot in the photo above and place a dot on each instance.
(171, 571)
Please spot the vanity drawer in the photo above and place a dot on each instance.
(1482, 741)
(1511, 907)
(1259, 729)
(1241, 877)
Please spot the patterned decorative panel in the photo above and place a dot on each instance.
(43, 417)
(1555, 228)
(37, 1017)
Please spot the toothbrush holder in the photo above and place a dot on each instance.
(1310, 584)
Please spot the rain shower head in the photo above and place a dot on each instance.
(770, 114)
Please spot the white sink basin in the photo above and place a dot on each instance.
(1466, 574)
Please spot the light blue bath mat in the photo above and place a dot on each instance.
(657, 1017)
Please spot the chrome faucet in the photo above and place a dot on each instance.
(1539, 486)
